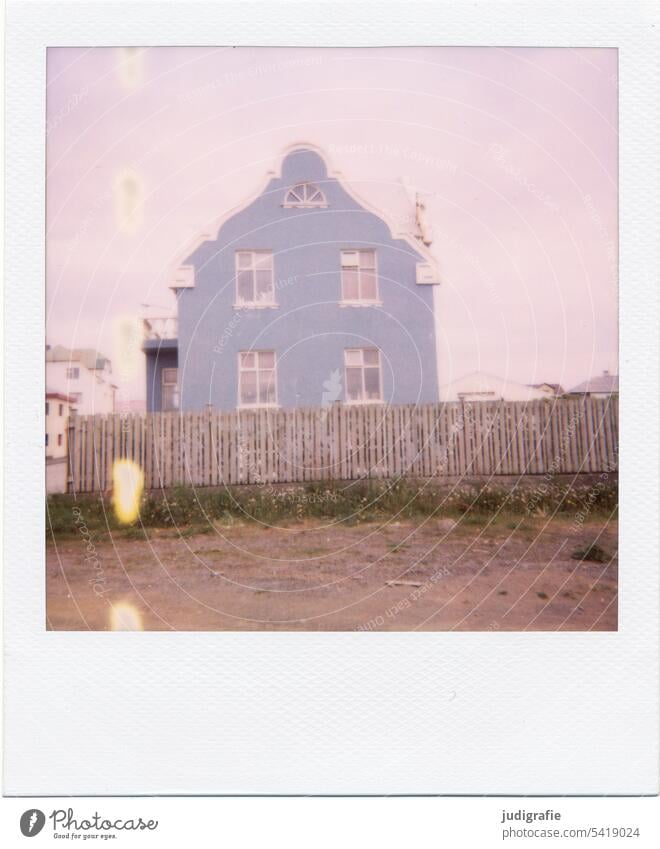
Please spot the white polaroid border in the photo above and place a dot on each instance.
(330, 713)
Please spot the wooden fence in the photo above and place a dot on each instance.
(343, 442)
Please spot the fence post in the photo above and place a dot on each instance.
(209, 465)
(70, 449)
(468, 433)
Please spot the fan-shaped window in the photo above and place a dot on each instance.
(304, 195)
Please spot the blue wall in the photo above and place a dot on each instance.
(309, 330)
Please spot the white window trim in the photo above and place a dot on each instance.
(267, 405)
(361, 402)
(305, 204)
(251, 305)
(169, 383)
(359, 302)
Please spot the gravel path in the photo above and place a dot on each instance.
(513, 575)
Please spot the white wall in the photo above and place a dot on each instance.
(56, 425)
(56, 475)
(95, 387)
(472, 387)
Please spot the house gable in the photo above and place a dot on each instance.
(302, 165)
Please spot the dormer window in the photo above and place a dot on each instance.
(304, 196)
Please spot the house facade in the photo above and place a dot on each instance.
(58, 407)
(303, 297)
(84, 376)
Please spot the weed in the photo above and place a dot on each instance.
(353, 504)
(134, 532)
(591, 552)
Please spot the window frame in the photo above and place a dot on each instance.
(362, 401)
(253, 304)
(169, 383)
(258, 405)
(304, 203)
(359, 301)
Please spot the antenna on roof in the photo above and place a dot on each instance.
(423, 230)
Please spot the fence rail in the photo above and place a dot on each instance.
(343, 442)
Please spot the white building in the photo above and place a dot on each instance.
(480, 386)
(602, 386)
(58, 407)
(57, 418)
(84, 375)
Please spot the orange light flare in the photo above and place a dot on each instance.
(124, 616)
(127, 486)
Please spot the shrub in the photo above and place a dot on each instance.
(591, 552)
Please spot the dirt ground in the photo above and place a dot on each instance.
(425, 574)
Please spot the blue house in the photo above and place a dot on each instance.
(302, 297)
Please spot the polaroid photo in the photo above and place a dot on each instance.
(331, 401)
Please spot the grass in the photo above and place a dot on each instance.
(195, 511)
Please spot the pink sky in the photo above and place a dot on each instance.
(514, 149)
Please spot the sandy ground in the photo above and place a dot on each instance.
(419, 574)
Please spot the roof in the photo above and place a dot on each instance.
(557, 388)
(398, 227)
(89, 357)
(60, 396)
(604, 383)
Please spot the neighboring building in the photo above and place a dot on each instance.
(83, 375)
(58, 407)
(480, 386)
(304, 296)
(552, 389)
(603, 386)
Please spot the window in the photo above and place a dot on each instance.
(47, 407)
(73, 373)
(257, 378)
(170, 393)
(363, 381)
(76, 397)
(46, 440)
(304, 196)
(61, 410)
(254, 278)
(359, 283)
(59, 439)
